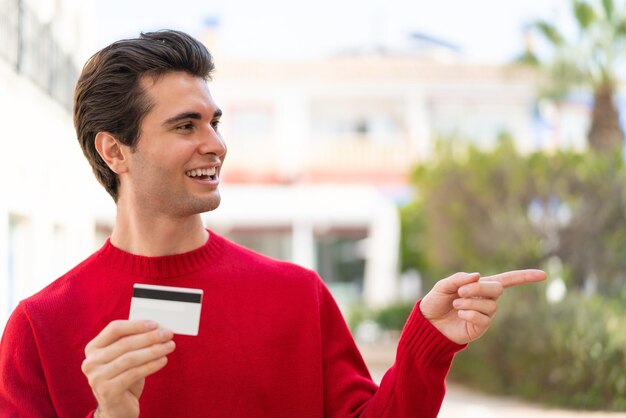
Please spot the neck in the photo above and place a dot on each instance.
(157, 236)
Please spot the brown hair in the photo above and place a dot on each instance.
(109, 97)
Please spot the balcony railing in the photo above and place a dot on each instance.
(358, 152)
(30, 48)
(323, 158)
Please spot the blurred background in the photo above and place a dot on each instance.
(386, 144)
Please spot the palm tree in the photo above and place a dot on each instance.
(591, 59)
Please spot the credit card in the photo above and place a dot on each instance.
(175, 308)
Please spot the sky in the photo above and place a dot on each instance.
(485, 30)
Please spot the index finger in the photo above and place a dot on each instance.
(118, 329)
(516, 277)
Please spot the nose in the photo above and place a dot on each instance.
(211, 142)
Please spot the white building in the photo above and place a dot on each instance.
(320, 152)
(46, 223)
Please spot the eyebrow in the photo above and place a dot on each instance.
(189, 115)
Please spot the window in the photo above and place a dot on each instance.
(249, 122)
(371, 118)
(18, 263)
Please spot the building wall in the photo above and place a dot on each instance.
(297, 222)
(352, 124)
(46, 220)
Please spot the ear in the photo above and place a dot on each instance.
(112, 152)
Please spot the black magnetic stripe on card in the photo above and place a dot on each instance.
(139, 292)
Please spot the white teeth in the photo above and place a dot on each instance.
(201, 172)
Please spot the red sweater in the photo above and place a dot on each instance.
(272, 343)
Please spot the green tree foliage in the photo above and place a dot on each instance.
(570, 354)
(499, 210)
(590, 58)
(471, 208)
(592, 243)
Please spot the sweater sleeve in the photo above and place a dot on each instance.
(23, 388)
(413, 387)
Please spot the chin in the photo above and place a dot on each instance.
(211, 204)
(189, 206)
(212, 207)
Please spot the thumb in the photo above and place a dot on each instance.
(451, 285)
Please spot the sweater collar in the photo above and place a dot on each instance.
(164, 266)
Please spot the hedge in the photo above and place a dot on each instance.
(569, 354)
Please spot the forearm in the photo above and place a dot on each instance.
(415, 385)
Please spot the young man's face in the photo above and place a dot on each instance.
(174, 169)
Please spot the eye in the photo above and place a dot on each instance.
(185, 127)
(215, 124)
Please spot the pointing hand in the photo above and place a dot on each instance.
(461, 306)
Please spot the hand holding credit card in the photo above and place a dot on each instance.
(175, 308)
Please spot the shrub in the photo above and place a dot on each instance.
(571, 354)
(393, 317)
(389, 318)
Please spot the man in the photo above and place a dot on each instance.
(272, 342)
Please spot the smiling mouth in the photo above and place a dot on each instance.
(202, 173)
